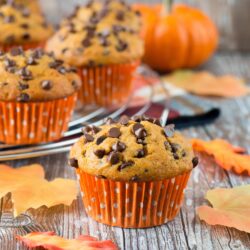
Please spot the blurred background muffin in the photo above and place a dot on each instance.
(33, 5)
(20, 25)
(132, 172)
(37, 96)
(102, 40)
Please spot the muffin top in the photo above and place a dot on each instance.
(33, 75)
(19, 25)
(100, 33)
(32, 4)
(133, 150)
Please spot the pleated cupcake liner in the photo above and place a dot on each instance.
(106, 85)
(35, 122)
(25, 46)
(132, 204)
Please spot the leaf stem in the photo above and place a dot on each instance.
(167, 4)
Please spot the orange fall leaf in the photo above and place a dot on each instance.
(231, 208)
(50, 241)
(29, 189)
(226, 156)
(206, 84)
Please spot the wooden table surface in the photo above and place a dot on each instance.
(186, 231)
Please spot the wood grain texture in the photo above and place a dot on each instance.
(186, 231)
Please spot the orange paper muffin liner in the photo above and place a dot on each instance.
(25, 46)
(132, 204)
(35, 122)
(106, 85)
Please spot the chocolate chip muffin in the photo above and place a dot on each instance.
(34, 76)
(102, 40)
(130, 150)
(137, 167)
(21, 26)
(37, 96)
(33, 5)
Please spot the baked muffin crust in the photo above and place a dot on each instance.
(34, 75)
(100, 33)
(19, 25)
(133, 150)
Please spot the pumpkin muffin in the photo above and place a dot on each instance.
(102, 40)
(37, 96)
(132, 172)
(22, 27)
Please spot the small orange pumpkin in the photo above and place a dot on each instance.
(183, 38)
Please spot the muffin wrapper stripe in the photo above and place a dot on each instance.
(106, 85)
(132, 204)
(25, 46)
(35, 122)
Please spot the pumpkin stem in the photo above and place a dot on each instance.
(167, 4)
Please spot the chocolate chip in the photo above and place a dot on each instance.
(137, 126)
(9, 63)
(23, 97)
(104, 33)
(73, 162)
(125, 165)
(86, 43)
(124, 120)
(175, 147)
(119, 146)
(99, 153)
(46, 84)
(91, 63)
(55, 64)
(25, 74)
(16, 51)
(91, 128)
(2, 53)
(100, 139)
(114, 133)
(121, 46)
(9, 19)
(26, 36)
(37, 53)
(23, 86)
(110, 121)
(195, 161)
(114, 158)
(104, 42)
(88, 137)
(117, 29)
(24, 26)
(31, 61)
(141, 133)
(156, 122)
(141, 153)
(141, 141)
(176, 156)
(169, 130)
(120, 16)
(138, 13)
(62, 70)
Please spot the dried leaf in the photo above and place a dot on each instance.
(226, 155)
(29, 189)
(206, 84)
(50, 241)
(231, 208)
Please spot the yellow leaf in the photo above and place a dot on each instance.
(206, 84)
(231, 208)
(29, 189)
(226, 156)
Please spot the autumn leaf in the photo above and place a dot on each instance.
(50, 241)
(29, 189)
(226, 155)
(231, 208)
(206, 84)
